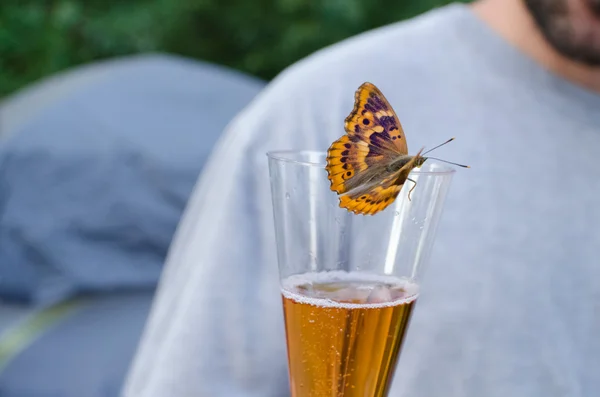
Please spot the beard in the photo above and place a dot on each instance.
(556, 23)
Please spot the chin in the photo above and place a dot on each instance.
(572, 27)
(581, 40)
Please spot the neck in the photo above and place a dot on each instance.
(511, 20)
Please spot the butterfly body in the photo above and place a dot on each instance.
(368, 165)
(401, 161)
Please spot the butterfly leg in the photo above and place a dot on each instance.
(412, 188)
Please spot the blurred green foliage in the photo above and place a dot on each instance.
(261, 37)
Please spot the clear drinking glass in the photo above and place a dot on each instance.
(349, 282)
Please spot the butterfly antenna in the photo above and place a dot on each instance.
(449, 162)
(441, 144)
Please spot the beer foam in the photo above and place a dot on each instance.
(292, 282)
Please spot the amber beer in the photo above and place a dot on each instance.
(344, 332)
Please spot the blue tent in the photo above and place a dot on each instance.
(96, 166)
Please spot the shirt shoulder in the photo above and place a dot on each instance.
(312, 96)
(382, 50)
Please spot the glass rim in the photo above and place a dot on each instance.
(280, 155)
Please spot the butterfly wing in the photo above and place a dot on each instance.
(371, 198)
(368, 201)
(374, 119)
(374, 139)
(347, 160)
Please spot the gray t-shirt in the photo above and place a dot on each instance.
(510, 304)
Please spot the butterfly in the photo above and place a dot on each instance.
(369, 165)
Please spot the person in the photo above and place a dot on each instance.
(509, 304)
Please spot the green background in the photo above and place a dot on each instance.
(260, 37)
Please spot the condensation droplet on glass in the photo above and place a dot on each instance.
(397, 213)
(287, 196)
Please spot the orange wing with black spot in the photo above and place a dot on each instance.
(374, 121)
(371, 198)
(374, 139)
(371, 201)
